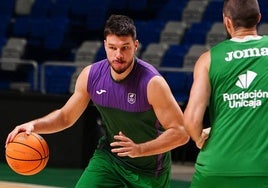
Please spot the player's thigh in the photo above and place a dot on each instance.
(99, 173)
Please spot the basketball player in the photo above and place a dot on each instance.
(143, 122)
(232, 79)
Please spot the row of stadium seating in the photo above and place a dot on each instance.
(45, 43)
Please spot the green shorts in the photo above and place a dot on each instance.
(202, 181)
(103, 172)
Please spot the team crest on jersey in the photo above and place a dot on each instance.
(131, 98)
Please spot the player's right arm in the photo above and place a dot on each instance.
(198, 101)
(62, 118)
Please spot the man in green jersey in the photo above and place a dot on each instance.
(142, 120)
(231, 79)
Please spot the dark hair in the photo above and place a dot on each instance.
(120, 25)
(243, 13)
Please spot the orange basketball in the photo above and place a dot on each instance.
(27, 154)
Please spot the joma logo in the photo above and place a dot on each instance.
(250, 52)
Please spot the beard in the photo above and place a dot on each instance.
(121, 70)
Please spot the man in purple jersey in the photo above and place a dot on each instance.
(142, 120)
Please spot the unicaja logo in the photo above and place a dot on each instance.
(244, 80)
(245, 99)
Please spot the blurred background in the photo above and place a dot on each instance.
(44, 44)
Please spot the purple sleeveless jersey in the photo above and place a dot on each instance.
(129, 94)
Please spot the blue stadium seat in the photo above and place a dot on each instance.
(40, 8)
(80, 7)
(58, 79)
(197, 33)
(213, 12)
(179, 83)
(7, 7)
(79, 12)
(21, 27)
(135, 5)
(156, 6)
(176, 81)
(56, 32)
(4, 24)
(39, 27)
(172, 11)
(38, 30)
(173, 56)
(59, 8)
(96, 18)
(97, 14)
(264, 11)
(149, 31)
(118, 5)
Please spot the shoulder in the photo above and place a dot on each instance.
(203, 61)
(157, 84)
(84, 73)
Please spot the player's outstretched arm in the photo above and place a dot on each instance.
(62, 118)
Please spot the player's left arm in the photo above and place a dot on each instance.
(169, 115)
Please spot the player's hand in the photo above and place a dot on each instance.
(124, 146)
(203, 137)
(27, 127)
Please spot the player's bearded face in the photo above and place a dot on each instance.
(120, 52)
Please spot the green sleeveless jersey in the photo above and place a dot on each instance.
(238, 142)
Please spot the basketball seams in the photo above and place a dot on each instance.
(37, 160)
(41, 157)
(39, 140)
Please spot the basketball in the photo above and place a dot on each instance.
(27, 154)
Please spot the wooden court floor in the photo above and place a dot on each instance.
(67, 178)
(6, 184)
